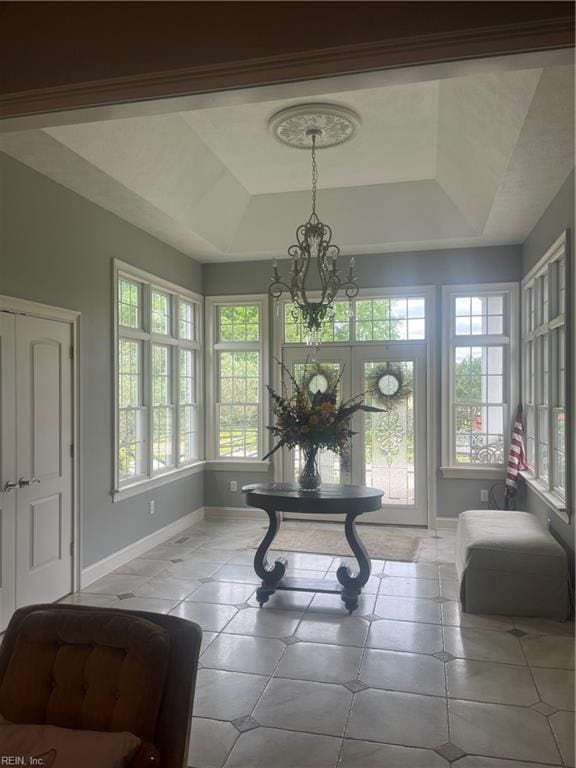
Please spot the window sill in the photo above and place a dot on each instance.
(127, 491)
(240, 465)
(552, 502)
(473, 473)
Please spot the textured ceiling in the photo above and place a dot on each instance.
(470, 160)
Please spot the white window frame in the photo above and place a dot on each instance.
(152, 479)
(212, 304)
(544, 487)
(509, 339)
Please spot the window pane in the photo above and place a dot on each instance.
(239, 323)
(160, 313)
(238, 398)
(335, 329)
(561, 286)
(188, 424)
(186, 320)
(479, 426)
(543, 427)
(162, 409)
(131, 414)
(530, 436)
(559, 434)
(397, 319)
(129, 303)
(478, 315)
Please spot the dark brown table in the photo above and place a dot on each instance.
(349, 500)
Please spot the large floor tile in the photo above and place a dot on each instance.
(308, 561)
(367, 754)
(549, 651)
(272, 748)
(304, 706)
(264, 622)
(230, 572)
(408, 609)
(452, 615)
(207, 638)
(226, 695)
(409, 587)
(495, 730)
(89, 598)
(152, 604)
(210, 742)
(483, 645)
(209, 616)
(563, 726)
(398, 718)
(193, 569)
(473, 761)
(222, 592)
(490, 682)
(556, 686)
(167, 587)
(332, 629)
(405, 636)
(141, 566)
(408, 672)
(545, 627)
(116, 584)
(320, 662)
(411, 570)
(243, 653)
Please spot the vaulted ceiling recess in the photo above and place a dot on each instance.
(314, 127)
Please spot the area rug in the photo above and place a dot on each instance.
(381, 544)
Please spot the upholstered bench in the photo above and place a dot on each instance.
(509, 564)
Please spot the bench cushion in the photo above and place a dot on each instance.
(509, 564)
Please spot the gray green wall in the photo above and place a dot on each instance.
(441, 267)
(57, 248)
(558, 216)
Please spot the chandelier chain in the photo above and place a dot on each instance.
(314, 174)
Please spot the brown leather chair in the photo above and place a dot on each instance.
(101, 669)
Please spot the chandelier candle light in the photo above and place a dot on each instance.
(313, 126)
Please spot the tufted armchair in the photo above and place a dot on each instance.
(98, 669)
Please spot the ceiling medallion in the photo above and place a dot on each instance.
(333, 125)
(313, 126)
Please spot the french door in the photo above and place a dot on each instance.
(388, 450)
(36, 464)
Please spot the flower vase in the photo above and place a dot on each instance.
(309, 478)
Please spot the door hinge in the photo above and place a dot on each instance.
(71, 352)
(71, 549)
(72, 451)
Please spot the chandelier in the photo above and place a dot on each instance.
(313, 126)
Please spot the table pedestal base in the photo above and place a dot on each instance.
(349, 583)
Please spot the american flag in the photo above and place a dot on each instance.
(516, 457)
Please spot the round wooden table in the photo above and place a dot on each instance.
(348, 500)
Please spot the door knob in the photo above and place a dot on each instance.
(9, 486)
(25, 483)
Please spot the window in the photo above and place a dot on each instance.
(544, 371)
(480, 384)
(364, 319)
(236, 375)
(157, 364)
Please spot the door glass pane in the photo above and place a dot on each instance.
(389, 436)
(318, 377)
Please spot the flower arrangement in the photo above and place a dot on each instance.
(313, 420)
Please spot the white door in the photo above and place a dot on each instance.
(389, 450)
(37, 486)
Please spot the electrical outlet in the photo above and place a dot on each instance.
(151, 507)
(484, 495)
(233, 485)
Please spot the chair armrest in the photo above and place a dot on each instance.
(146, 757)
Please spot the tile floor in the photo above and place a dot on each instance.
(406, 682)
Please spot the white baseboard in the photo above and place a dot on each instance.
(446, 522)
(108, 564)
(235, 513)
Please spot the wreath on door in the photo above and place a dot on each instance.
(319, 378)
(388, 384)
